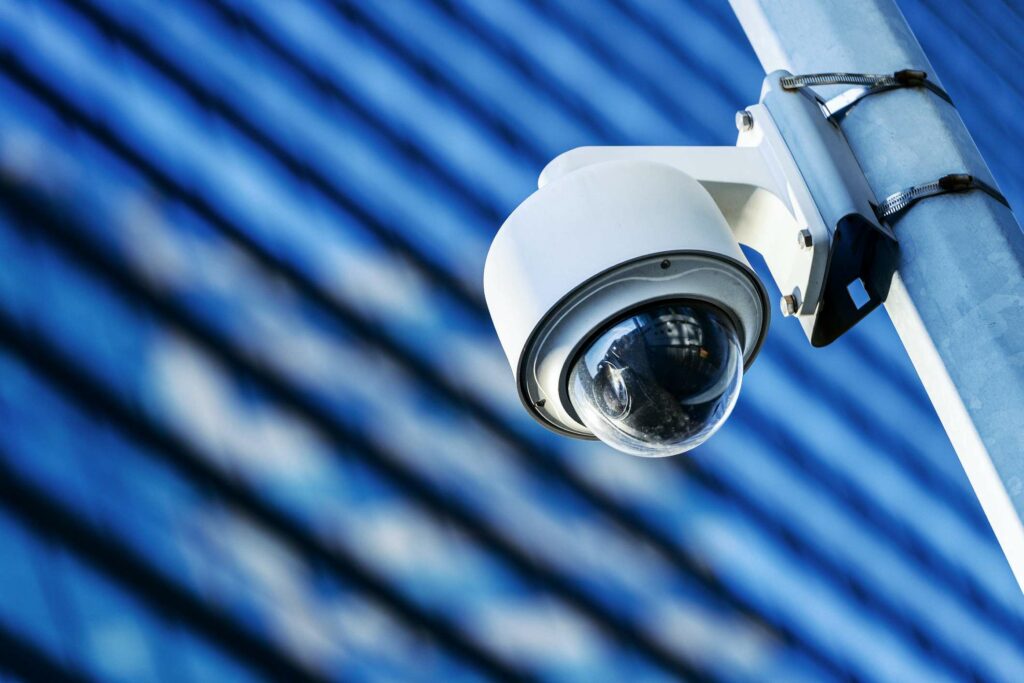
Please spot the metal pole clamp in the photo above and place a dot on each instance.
(871, 84)
(898, 202)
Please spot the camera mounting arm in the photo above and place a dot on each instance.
(791, 190)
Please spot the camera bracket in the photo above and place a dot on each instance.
(791, 190)
(862, 251)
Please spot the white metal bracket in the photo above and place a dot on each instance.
(816, 229)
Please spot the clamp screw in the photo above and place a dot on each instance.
(790, 303)
(744, 120)
(956, 182)
(912, 77)
(804, 239)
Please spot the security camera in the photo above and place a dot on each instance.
(623, 300)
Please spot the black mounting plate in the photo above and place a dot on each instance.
(861, 250)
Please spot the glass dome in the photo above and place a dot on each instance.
(660, 380)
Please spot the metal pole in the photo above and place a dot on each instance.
(957, 300)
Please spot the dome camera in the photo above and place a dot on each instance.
(623, 300)
(660, 379)
(626, 306)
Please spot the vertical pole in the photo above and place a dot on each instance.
(957, 301)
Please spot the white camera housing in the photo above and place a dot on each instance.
(614, 228)
(613, 236)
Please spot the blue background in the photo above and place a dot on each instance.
(255, 423)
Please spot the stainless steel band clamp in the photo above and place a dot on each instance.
(898, 202)
(871, 84)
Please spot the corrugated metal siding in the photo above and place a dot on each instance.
(254, 422)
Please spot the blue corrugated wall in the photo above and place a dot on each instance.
(255, 424)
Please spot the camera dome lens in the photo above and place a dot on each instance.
(661, 380)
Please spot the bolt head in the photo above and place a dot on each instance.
(744, 121)
(789, 304)
(804, 239)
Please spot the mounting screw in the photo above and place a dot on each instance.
(790, 303)
(744, 120)
(804, 239)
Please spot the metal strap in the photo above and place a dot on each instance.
(872, 84)
(895, 204)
